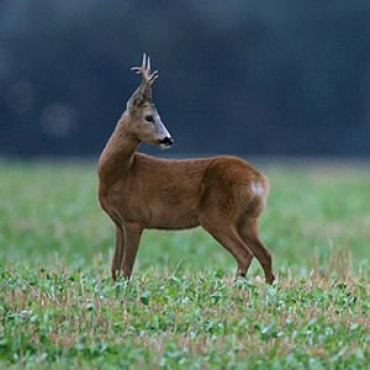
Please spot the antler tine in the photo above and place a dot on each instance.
(140, 69)
(143, 64)
(144, 69)
(148, 66)
(136, 69)
(153, 76)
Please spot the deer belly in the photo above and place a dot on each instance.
(175, 218)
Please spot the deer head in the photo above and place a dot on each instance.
(145, 122)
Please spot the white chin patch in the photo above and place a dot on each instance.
(164, 146)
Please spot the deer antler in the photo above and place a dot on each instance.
(144, 91)
(145, 71)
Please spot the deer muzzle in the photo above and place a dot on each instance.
(166, 142)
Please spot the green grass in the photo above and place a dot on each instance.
(59, 308)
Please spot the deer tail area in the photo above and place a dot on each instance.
(259, 191)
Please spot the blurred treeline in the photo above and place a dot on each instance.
(244, 77)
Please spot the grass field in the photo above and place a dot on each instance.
(59, 308)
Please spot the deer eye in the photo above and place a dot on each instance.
(149, 118)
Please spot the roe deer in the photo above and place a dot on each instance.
(223, 194)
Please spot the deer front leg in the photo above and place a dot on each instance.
(118, 252)
(132, 240)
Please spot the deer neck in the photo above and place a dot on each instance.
(118, 154)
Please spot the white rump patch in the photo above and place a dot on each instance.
(258, 189)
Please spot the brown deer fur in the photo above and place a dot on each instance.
(223, 194)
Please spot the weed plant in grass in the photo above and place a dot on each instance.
(183, 309)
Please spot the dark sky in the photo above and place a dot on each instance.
(242, 77)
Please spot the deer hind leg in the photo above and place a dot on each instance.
(227, 235)
(133, 235)
(118, 252)
(248, 230)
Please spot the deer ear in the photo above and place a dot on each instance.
(136, 100)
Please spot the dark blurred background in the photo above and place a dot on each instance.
(244, 77)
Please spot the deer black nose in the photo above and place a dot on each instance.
(167, 141)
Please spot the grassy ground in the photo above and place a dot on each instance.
(59, 308)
